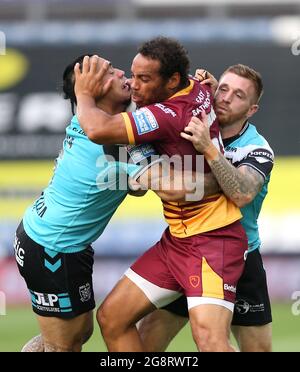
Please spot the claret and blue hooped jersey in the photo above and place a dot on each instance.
(251, 149)
(88, 185)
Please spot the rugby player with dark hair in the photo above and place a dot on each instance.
(201, 254)
(244, 177)
(56, 233)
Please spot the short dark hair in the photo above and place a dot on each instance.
(69, 81)
(171, 55)
(250, 74)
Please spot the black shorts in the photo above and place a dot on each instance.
(252, 307)
(60, 284)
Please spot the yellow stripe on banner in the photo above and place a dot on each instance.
(22, 174)
(212, 283)
(283, 194)
(148, 206)
(22, 181)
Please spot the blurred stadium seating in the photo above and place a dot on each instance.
(43, 36)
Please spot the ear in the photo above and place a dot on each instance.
(252, 110)
(174, 81)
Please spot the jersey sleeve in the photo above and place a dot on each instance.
(140, 158)
(131, 159)
(150, 124)
(260, 158)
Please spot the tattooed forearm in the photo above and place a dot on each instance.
(241, 185)
(211, 185)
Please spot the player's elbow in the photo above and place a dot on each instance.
(94, 135)
(242, 200)
(96, 131)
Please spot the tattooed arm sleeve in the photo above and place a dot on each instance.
(241, 184)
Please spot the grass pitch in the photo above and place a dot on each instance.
(19, 325)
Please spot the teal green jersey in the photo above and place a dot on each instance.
(251, 149)
(88, 185)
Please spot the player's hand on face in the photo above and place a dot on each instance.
(90, 81)
(197, 132)
(206, 77)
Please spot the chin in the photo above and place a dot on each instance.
(127, 101)
(223, 121)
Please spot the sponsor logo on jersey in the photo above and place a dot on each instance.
(200, 97)
(19, 252)
(50, 302)
(229, 288)
(85, 292)
(261, 155)
(165, 109)
(242, 307)
(145, 121)
(195, 281)
(140, 152)
(40, 205)
(205, 105)
(69, 141)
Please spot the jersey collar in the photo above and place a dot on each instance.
(228, 141)
(185, 91)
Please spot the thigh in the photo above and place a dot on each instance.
(151, 273)
(60, 285)
(212, 316)
(210, 326)
(253, 338)
(252, 307)
(125, 305)
(159, 328)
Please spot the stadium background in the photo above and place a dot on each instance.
(42, 37)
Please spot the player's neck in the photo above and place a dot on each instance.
(112, 108)
(232, 129)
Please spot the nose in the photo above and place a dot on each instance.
(133, 83)
(120, 73)
(227, 97)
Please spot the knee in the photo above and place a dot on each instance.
(210, 340)
(259, 346)
(71, 344)
(87, 334)
(111, 320)
(106, 321)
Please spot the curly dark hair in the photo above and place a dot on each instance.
(69, 81)
(171, 55)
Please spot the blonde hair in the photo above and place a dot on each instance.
(250, 74)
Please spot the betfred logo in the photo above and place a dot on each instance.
(229, 288)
